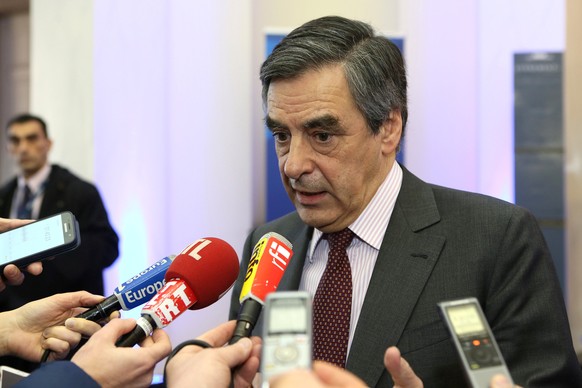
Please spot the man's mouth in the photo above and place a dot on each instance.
(309, 198)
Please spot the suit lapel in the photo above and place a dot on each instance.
(404, 264)
(6, 195)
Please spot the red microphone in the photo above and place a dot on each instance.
(268, 262)
(199, 276)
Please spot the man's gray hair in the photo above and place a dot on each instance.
(373, 65)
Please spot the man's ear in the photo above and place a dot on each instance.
(391, 132)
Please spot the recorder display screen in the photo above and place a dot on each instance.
(465, 319)
(29, 239)
(287, 318)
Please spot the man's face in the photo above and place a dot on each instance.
(330, 162)
(29, 146)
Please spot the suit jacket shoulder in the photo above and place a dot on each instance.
(58, 374)
(6, 195)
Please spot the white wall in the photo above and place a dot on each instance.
(151, 99)
(573, 145)
(460, 63)
(61, 78)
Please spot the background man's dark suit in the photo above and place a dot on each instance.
(80, 269)
(58, 374)
(445, 244)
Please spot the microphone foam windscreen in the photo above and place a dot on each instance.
(209, 267)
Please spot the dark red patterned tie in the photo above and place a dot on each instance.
(332, 303)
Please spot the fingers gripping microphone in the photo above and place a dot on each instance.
(199, 276)
(268, 262)
(132, 293)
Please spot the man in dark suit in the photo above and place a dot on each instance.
(336, 104)
(53, 189)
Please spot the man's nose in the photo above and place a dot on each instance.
(22, 146)
(299, 159)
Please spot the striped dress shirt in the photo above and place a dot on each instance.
(369, 229)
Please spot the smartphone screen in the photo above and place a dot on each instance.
(45, 235)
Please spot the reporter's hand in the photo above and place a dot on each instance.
(61, 339)
(322, 375)
(11, 223)
(12, 274)
(402, 374)
(111, 366)
(21, 330)
(213, 366)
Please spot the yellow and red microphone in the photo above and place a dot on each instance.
(266, 267)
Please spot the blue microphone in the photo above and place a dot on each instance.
(132, 293)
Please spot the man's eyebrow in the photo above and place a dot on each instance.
(29, 137)
(327, 122)
(271, 123)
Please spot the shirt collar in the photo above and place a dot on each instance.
(36, 181)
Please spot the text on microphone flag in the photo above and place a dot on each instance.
(173, 300)
(193, 250)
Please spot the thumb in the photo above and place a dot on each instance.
(501, 381)
(401, 372)
(237, 353)
(115, 329)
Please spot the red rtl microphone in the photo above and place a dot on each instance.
(199, 276)
(268, 262)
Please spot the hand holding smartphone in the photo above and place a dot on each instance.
(39, 240)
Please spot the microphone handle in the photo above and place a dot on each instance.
(144, 326)
(249, 313)
(102, 310)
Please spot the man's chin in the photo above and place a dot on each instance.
(312, 217)
(29, 169)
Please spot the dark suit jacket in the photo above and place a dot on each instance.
(58, 374)
(444, 244)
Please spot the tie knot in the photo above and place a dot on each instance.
(340, 240)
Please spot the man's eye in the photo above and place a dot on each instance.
(280, 137)
(322, 137)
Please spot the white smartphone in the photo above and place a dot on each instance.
(39, 240)
(474, 341)
(286, 333)
(10, 376)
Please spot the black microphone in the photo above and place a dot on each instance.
(133, 292)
